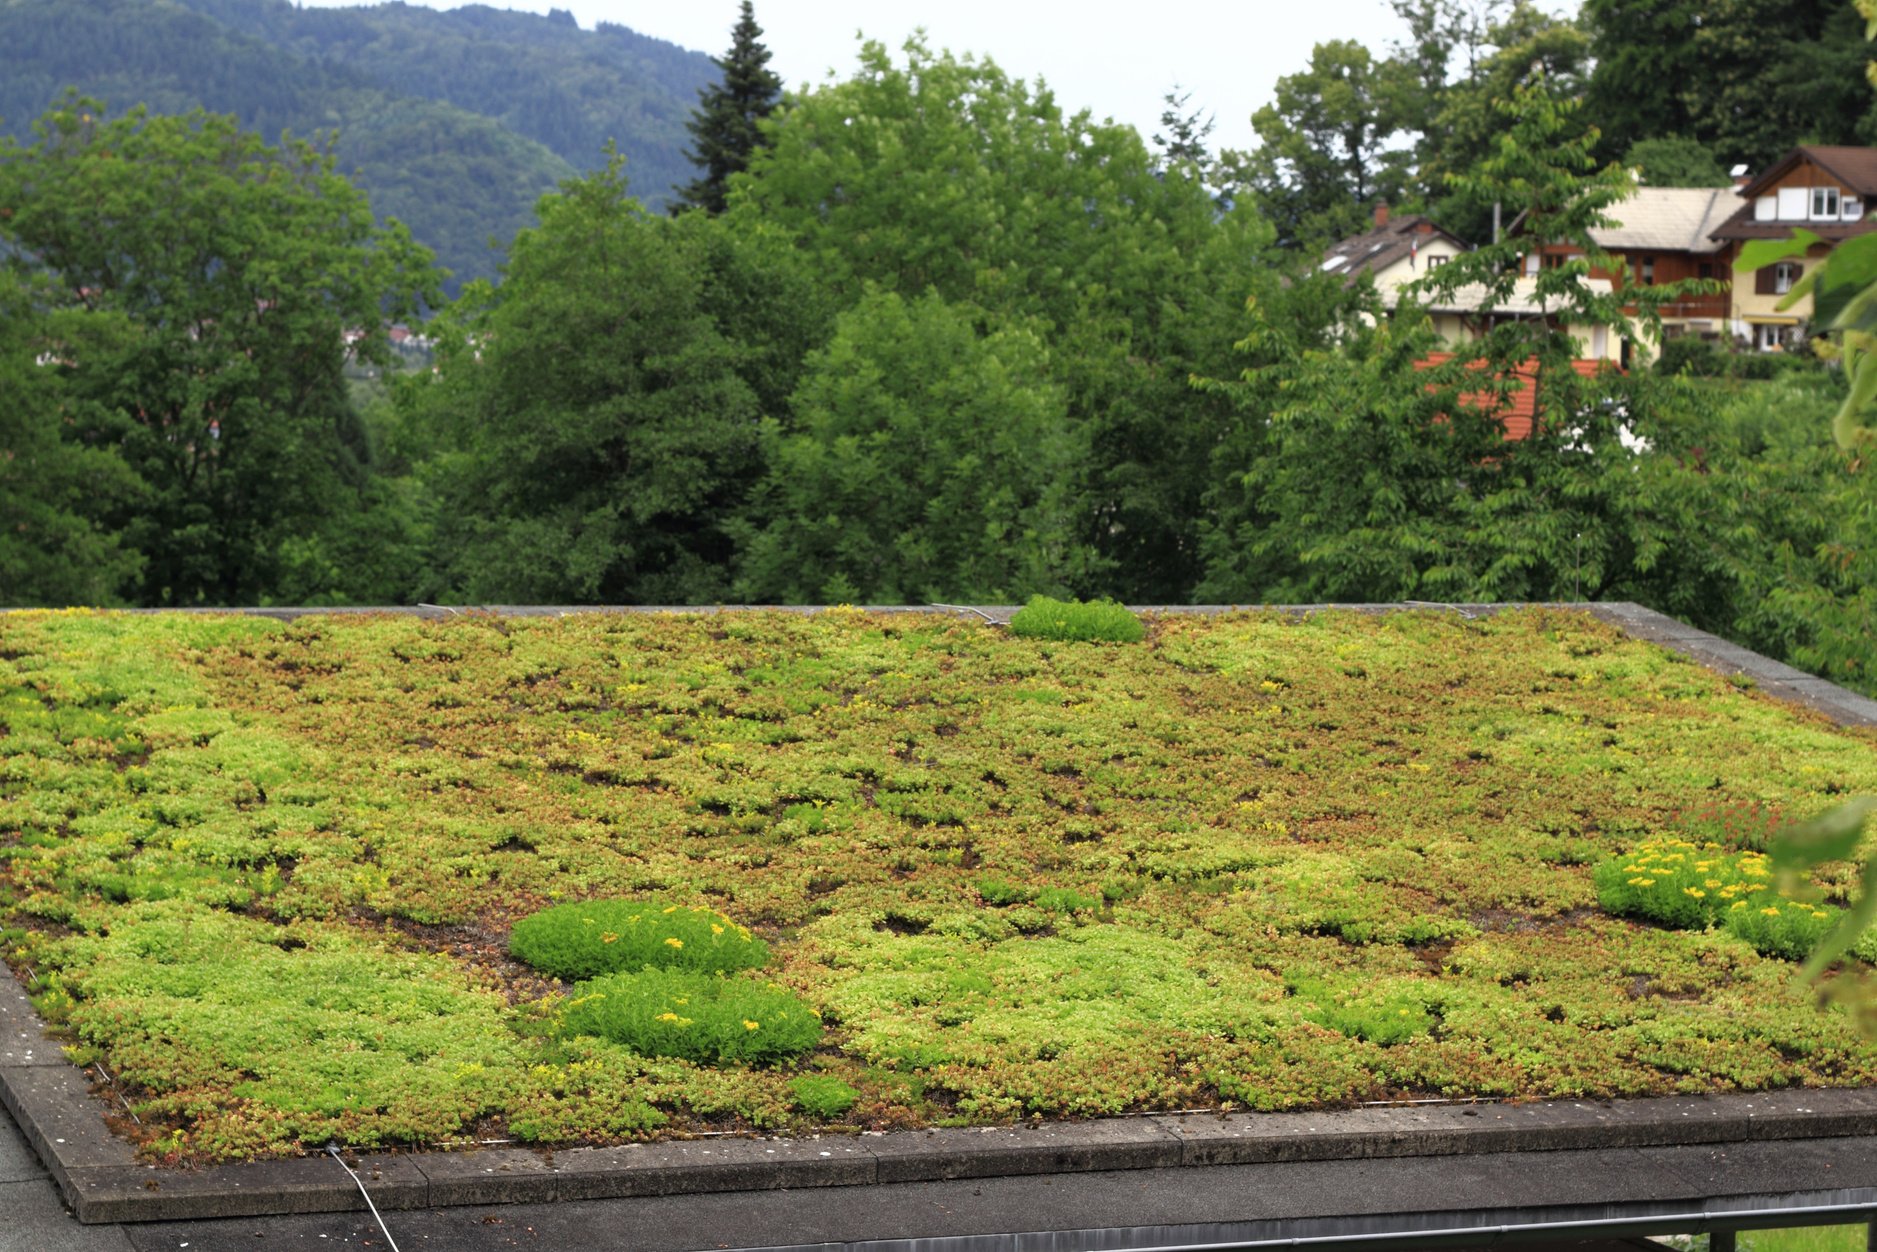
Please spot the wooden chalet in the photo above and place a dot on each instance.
(1827, 190)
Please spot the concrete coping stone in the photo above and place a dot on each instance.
(103, 1182)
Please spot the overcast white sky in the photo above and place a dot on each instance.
(1117, 60)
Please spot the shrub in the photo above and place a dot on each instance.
(575, 941)
(1779, 927)
(1066, 900)
(1380, 1015)
(1689, 355)
(1688, 886)
(1100, 620)
(709, 1018)
(998, 893)
(1680, 883)
(822, 1095)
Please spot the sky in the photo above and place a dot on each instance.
(1116, 60)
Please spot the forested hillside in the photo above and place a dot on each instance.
(941, 340)
(454, 123)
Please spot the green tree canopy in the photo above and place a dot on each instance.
(57, 485)
(931, 463)
(602, 436)
(241, 271)
(1675, 162)
(943, 174)
(1324, 154)
(1746, 79)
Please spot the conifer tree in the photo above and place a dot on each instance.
(723, 126)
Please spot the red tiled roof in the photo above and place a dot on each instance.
(1518, 410)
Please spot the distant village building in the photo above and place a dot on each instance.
(1399, 250)
(1829, 191)
(1662, 235)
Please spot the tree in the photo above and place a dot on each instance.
(1675, 162)
(1371, 473)
(237, 271)
(1648, 70)
(55, 487)
(1528, 46)
(932, 463)
(1747, 79)
(601, 438)
(942, 174)
(1184, 141)
(725, 125)
(1324, 154)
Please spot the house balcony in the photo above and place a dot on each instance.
(1692, 308)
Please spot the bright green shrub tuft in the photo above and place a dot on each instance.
(822, 1095)
(575, 941)
(709, 1018)
(1376, 1015)
(1066, 900)
(1099, 620)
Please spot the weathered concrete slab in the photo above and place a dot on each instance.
(22, 1039)
(1046, 1148)
(309, 1185)
(654, 1169)
(488, 1176)
(64, 1125)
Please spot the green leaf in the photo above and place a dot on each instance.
(1856, 920)
(1763, 252)
(1845, 427)
(1830, 836)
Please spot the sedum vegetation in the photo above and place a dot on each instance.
(271, 874)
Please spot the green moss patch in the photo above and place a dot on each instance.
(1094, 621)
(610, 936)
(278, 876)
(699, 1017)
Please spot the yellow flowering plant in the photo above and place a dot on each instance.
(1682, 883)
(1690, 886)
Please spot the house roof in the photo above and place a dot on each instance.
(1856, 168)
(1668, 219)
(1381, 247)
(1473, 298)
(1518, 407)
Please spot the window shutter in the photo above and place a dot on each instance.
(1763, 280)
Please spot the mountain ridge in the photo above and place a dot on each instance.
(453, 122)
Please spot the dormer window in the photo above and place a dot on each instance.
(1825, 204)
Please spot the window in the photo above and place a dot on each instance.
(1648, 271)
(1825, 203)
(1777, 280)
(1851, 209)
(1706, 269)
(1435, 262)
